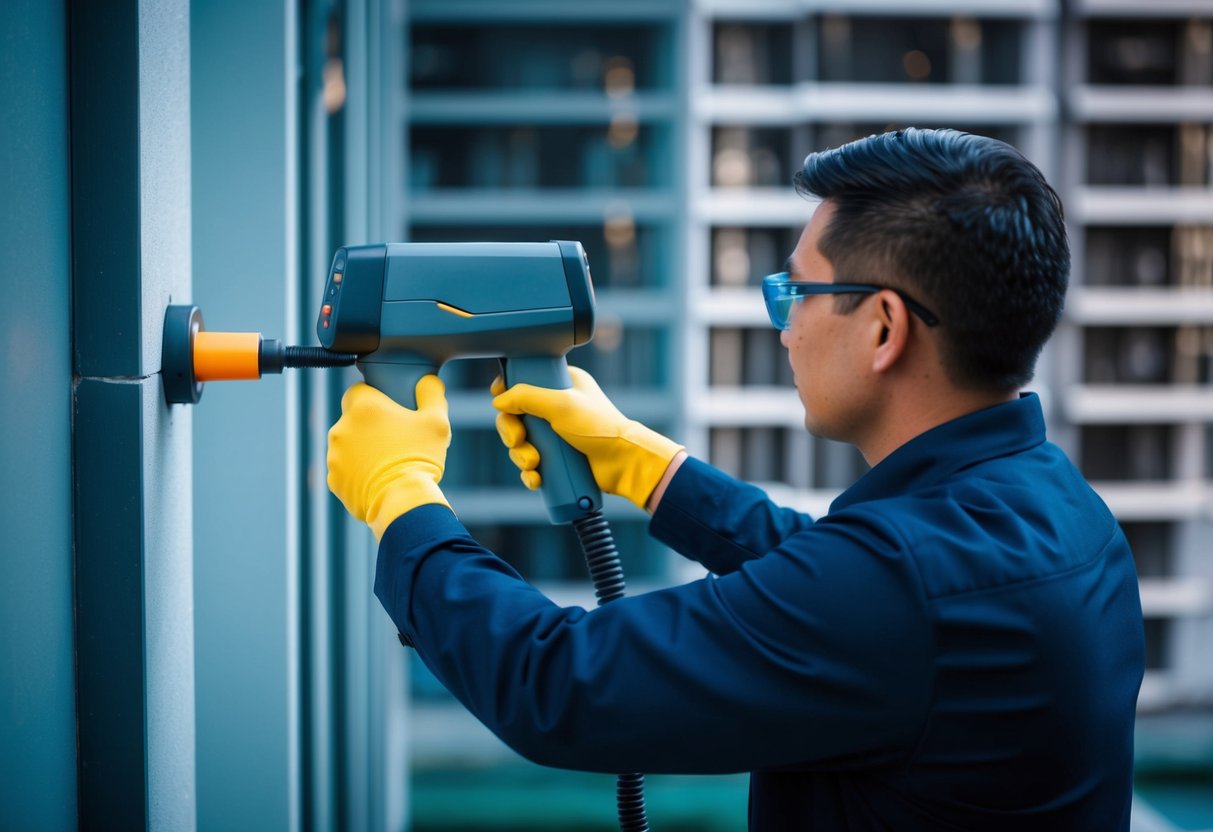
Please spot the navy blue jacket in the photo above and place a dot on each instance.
(956, 645)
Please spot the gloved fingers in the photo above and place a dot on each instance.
(511, 429)
(431, 394)
(525, 456)
(338, 477)
(546, 402)
(508, 401)
(353, 394)
(364, 408)
(585, 382)
(361, 397)
(384, 459)
(535, 401)
(331, 479)
(341, 428)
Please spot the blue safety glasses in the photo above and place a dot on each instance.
(781, 294)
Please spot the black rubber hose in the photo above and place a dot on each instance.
(317, 357)
(602, 558)
(272, 357)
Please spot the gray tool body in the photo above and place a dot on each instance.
(407, 308)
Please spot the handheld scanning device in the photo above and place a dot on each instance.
(405, 309)
(402, 310)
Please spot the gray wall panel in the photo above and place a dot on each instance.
(164, 167)
(164, 142)
(37, 695)
(168, 587)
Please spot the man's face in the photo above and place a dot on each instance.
(829, 376)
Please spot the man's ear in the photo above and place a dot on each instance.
(892, 331)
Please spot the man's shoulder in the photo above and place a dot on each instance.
(996, 523)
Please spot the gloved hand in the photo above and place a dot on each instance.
(384, 459)
(625, 457)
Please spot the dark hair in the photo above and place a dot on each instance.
(964, 224)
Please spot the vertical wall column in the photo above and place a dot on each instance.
(374, 775)
(130, 162)
(246, 462)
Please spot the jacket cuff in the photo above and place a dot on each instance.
(401, 550)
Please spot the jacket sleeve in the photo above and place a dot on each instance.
(817, 652)
(719, 521)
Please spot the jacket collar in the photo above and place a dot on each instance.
(932, 456)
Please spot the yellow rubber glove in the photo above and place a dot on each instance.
(625, 457)
(384, 459)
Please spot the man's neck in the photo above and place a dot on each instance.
(918, 413)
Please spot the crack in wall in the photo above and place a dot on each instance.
(115, 379)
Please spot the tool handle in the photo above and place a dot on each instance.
(398, 381)
(569, 490)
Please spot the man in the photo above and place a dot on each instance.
(957, 644)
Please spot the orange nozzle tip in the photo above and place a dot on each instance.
(227, 356)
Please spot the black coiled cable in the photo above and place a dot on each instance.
(629, 797)
(601, 556)
(602, 559)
